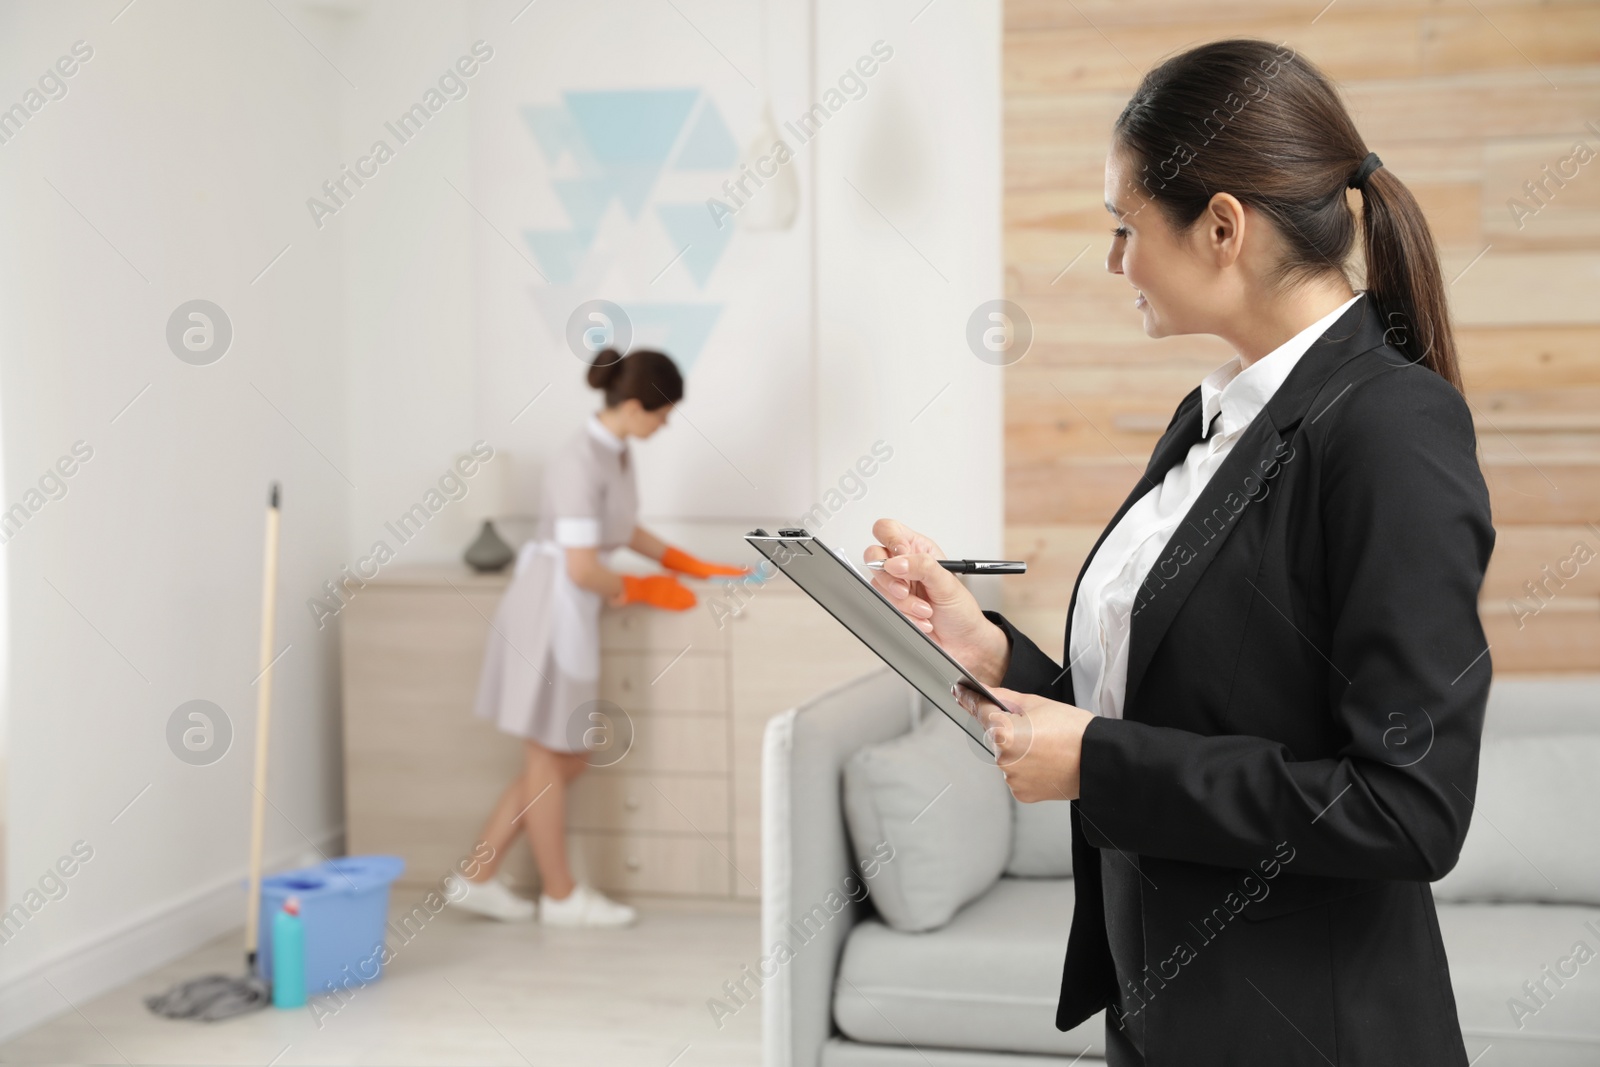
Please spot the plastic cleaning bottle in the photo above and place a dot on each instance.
(288, 957)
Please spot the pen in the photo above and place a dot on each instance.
(971, 566)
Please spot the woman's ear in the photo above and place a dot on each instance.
(1224, 226)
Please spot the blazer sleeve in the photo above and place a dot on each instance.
(1407, 536)
(1030, 670)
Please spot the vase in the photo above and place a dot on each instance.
(489, 553)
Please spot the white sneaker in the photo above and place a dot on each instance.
(492, 898)
(585, 907)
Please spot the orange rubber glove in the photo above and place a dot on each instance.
(658, 590)
(677, 560)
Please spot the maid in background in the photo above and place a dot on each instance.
(542, 664)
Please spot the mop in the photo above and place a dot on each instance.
(219, 996)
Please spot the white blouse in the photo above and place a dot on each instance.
(1230, 397)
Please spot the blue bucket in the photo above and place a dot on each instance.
(344, 909)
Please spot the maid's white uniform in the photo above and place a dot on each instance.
(542, 663)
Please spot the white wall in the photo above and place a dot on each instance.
(908, 244)
(832, 334)
(185, 146)
(453, 329)
(409, 328)
(739, 446)
(386, 340)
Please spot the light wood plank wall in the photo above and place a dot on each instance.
(1465, 102)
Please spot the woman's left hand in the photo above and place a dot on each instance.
(1039, 749)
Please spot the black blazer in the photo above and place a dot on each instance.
(1298, 754)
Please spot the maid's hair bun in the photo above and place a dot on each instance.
(605, 368)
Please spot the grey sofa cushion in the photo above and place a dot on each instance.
(1535, 824)
(1493, 949)
(841, 1053)
(1041, 840)
(988, 980)
(1523, 705)
(944, 811)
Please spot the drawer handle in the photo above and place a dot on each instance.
(633, 863)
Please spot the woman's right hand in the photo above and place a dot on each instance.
(936, 601)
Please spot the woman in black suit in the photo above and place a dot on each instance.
(1269, 716)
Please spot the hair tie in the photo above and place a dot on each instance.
(1363, 172)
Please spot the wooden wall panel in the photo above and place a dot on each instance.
(1027, 15)
(1549, 358)
(1460, 99)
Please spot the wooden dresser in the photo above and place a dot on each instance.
(678, 814)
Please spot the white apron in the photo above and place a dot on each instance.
(541, 664)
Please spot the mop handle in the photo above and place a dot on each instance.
(258, 814)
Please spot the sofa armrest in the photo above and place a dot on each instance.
(806, 859)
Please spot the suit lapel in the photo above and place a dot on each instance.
(1228, 494)
(1194, 544)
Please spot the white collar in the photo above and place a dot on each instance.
(1239, 393)
(599, 432)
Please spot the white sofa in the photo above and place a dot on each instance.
(980, 991)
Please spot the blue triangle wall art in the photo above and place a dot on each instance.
(696, 235)
(618, 143)
(630, 133)
(680, 330)
(709, 145)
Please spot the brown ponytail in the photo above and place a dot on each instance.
(644, 375)
(1253, 119)
(1403, 275)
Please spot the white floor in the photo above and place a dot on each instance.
(463, 991)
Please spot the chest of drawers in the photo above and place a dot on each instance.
(677, 814)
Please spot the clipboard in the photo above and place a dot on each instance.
(830, 580)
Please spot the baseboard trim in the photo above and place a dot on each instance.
(140, 945)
